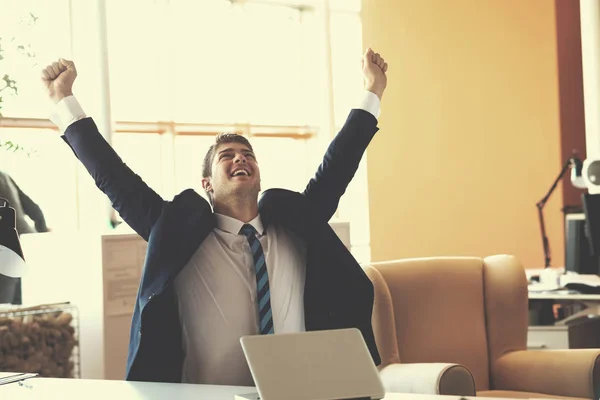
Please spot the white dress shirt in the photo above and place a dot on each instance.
(216, 290)
(217, 299)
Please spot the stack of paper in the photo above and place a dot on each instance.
(589, 280)
(10, 377)
(543, 287)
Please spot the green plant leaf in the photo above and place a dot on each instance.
(11, 84)
(14, 148)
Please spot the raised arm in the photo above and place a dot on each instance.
(138, 204)
(343, 155)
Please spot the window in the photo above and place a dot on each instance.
(45, 171)
(189, 155)
(139, 84)
(142, 153)
(346, 48)
(42, 28)
(209, 62)
(179, 72)
(200, 68)
(282, 162)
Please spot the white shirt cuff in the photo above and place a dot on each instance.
(67, 111)
(371, 103)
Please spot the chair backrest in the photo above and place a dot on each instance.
(461, 310)
(506, 306)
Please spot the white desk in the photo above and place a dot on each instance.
(591, 301)
(85, 389)
(557, 336)
(571, 297)
(91, 389)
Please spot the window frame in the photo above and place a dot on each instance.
(321, 134)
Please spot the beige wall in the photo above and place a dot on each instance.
(469, 138)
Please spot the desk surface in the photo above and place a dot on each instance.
(564, 297)
(87, 389)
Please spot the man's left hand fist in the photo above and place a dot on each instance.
(374, 70)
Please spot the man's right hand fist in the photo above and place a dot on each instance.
(58, 78)
(374, 72)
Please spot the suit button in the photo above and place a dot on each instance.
(151, 296)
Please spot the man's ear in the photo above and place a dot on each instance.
(206, 185)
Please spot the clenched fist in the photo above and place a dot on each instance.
(374, 68)
(58, 78)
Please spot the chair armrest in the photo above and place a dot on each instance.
(569, 373)
(428, 378)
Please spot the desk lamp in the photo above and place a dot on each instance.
(576, 169)
(12, 263)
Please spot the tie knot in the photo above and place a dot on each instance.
(248, 230)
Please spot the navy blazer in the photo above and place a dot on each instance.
(337, 292)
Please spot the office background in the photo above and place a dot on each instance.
(488, 103)
(484, 103)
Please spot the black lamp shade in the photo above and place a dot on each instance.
(12, 263)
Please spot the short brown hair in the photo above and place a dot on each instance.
(221, 138)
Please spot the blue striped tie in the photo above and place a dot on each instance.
(263, 295)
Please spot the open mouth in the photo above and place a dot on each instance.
(240, 172)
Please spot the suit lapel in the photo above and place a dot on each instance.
(194, 221)
(185, 223)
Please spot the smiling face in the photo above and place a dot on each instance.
(233, 169)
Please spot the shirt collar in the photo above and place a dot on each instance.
(232, 225)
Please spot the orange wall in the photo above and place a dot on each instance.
(570, 89)
(470, 133)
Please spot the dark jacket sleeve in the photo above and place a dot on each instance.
(340, 163)
(31, 209)
(136, 202)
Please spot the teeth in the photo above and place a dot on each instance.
(241, 172)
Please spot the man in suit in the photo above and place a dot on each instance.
(242, 267)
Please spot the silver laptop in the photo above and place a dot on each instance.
(321, 365)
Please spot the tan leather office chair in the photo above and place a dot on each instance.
(472, 312)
